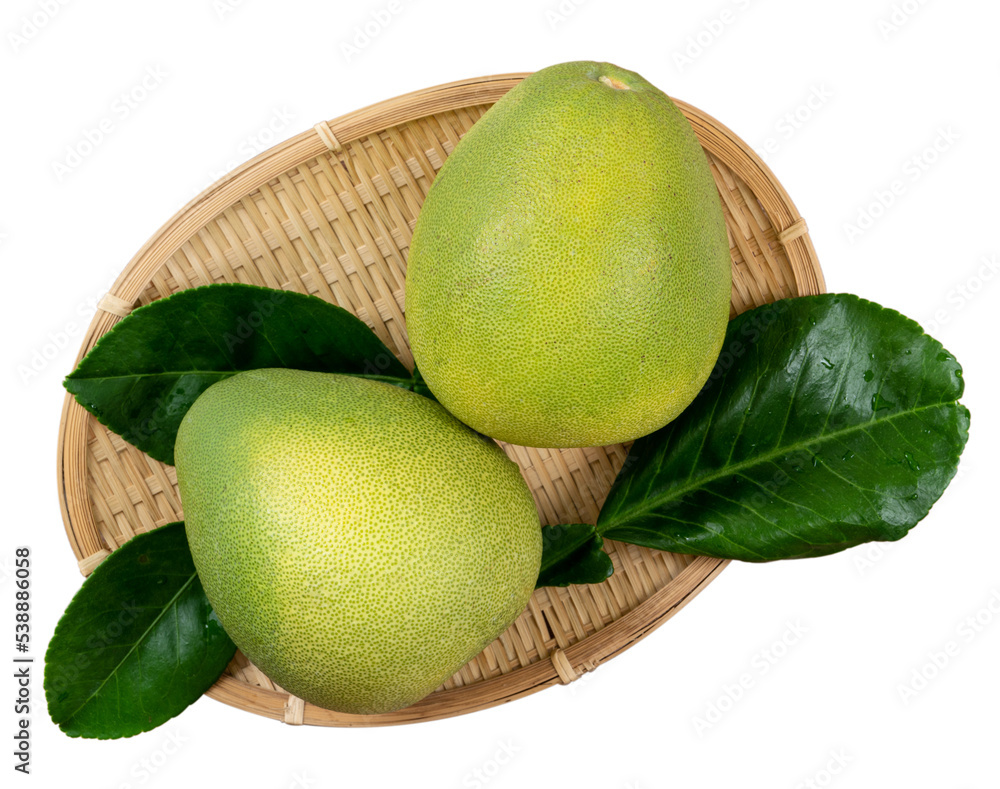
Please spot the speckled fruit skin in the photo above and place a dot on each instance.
(569, 278)
(358, 542)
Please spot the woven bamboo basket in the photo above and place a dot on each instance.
(331, 212)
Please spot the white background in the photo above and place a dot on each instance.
(888, 81)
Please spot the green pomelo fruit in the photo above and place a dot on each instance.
(569, 278)
(357, 542)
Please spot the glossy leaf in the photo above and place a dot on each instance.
(142, 376)
(828, 421)
(572, 554)
(138, 643)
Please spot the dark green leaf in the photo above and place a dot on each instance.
(137, 644)
(141, 377)
(828, 421)
(418, 385)
(572, 554)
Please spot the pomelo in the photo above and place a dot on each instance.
(568, 280)
(358, 543)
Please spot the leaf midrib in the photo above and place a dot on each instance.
(132, 649)
(655, 502)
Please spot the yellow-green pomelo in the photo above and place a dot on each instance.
(357, 542)
(569, 279)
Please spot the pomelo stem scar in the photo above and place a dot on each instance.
(617, 84)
